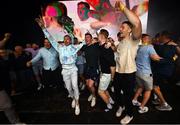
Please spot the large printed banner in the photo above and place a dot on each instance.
(93, 15)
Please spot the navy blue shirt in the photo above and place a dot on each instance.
(91, 55)
(166, 66)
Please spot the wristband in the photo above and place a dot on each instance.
(122, 7)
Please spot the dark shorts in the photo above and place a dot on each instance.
(91, 73)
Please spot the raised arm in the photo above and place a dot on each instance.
(133, 19)
(4, 40)
(53, 42)
(98, 24)
(79, 46)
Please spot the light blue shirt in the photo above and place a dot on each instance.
(143, 60)
(67, 54)
(49, 57)
(80, 59)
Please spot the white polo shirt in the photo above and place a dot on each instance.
(126, 54)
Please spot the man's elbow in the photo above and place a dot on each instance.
(137, 30)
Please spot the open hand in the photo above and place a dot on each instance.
(119, 5)
(40, 22)
(28, 64)
(78, 34)
(7, 35)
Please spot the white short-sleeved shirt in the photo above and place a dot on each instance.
(85, 26)
(126, 54)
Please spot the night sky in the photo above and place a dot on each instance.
(18, 18)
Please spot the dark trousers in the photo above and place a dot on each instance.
(126, 83)
(25, 80)
(52, 78)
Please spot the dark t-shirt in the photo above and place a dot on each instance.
(166, 65)
(20, 61)
(91, 55)
(106, 59)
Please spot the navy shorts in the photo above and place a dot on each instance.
(91, 73)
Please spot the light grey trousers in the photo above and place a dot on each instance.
(70, 77)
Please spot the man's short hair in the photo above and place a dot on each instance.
(128, 23)
(144, 35)
(85, 4)
(88, 34)
(157, 35)
(166, 34)
(118, 34)
(104, 32)
(67, 36)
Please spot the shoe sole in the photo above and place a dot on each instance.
(164, 109)
(142, 112)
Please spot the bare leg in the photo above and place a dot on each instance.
(146, 97)
(104, 96)
(138, 92)
(159, 94)
(90, 85)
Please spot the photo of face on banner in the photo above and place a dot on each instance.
(93, 15)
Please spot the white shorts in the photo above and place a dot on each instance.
(105, 80)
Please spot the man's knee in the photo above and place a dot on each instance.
(100, 92)
(90, 84)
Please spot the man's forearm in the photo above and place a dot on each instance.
(178, 50)
(132, 17)
(3, 42)
(53, 42)
(113, 70)
(134, 20)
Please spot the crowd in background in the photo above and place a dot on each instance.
(135, 65)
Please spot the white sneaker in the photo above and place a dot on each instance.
(80, 84)
(90, 98)
(143, 110)
(136, 103)
(126, 120)
(73, 104)
(83, 87)
(40, 86)
(109, 106)
(77, 110)
(93, 102)
(69, 96)
(112, 89)
(119, 111)
(111, 100)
